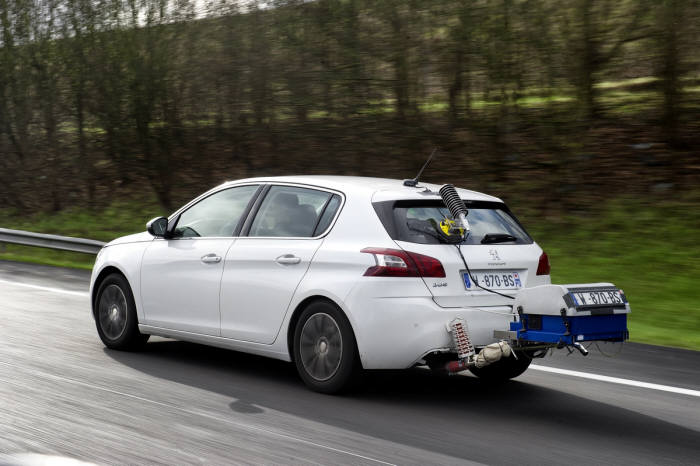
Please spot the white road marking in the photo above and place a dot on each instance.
(39, 459)
(617, 380)
(240, 425)
(46, 288)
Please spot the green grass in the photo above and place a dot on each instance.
(648, 249)
(622, 98)
(12, 252)
(626, 82)
(651, 252)
(119, 219)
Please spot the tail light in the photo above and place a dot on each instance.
(543, 267)
(399, 263)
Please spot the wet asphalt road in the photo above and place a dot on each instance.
(63, 393)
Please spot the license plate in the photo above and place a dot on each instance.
(598, 298)
(494, 280)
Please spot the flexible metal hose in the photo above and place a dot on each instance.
(456, 206)
(452, 200)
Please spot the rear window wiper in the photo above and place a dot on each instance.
(492, 238)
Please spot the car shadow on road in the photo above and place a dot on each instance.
(458, 416)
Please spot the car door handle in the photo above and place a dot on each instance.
(288, 259)
(211, 259)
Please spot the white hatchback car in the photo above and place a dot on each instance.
(336, 274)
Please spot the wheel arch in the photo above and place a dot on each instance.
(297, 313)
(104, 273)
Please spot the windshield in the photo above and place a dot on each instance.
(490, 223)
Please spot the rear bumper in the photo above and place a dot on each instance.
(397, 332)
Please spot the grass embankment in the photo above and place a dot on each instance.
(650, 251)
(119, 219)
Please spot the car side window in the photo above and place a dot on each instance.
(328, 215)
(288, 211)
(216, 215)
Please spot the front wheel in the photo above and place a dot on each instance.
(325, 352)
(504, 369)
(115, 315)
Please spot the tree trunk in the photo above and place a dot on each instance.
(589, 62)
(670, 73)
(454, 112)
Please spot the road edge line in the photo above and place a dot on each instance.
(616, 380)
(46, 288)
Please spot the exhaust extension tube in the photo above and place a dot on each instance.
(456, 206)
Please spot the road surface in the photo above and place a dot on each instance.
(62, 393)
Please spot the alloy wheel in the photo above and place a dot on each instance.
(112, 312)
(321, 346)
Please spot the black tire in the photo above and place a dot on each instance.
(505, 369)
(325, 351)
(115, 315)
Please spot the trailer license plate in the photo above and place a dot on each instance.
(500, 280)
(597, 298)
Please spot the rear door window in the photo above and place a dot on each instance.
(292, 212)
(490, 223)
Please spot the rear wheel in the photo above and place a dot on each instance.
(115, 315)
(504, 369)
(325, 352)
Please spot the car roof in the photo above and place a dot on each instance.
(380, 189)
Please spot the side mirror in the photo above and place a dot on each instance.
(158, 227)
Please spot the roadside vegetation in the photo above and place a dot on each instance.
(583, 115)
(122, 217)
(561, 102)
(648, 249)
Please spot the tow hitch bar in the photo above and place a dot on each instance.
(576, 345)
(580, 347)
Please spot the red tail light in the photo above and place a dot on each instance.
(543, 267)
(399, 263)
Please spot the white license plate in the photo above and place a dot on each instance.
(493, 279)
(597, 298)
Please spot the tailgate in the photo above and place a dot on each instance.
(498, 251)
(502, 268)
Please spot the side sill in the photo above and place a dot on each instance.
(220, 342)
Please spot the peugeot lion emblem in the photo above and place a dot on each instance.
(494, 254)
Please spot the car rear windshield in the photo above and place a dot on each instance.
(414, 221)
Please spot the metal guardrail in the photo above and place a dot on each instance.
(42, 240)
